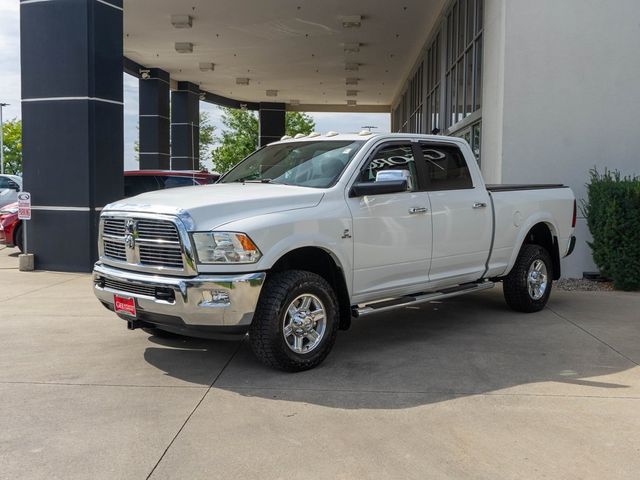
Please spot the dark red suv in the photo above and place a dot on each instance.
(135, 182)
(141, 181)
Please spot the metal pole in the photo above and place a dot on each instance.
(2, 105)
(1, 141)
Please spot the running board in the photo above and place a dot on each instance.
(411, 300)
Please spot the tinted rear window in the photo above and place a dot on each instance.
(172, 182)
(446, 167)
(135, 185)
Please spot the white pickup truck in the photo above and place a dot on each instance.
(307, 233)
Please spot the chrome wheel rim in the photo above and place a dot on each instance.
(304, 324)
(537, 279)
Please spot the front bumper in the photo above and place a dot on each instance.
(224, 303)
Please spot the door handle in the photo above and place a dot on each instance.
(479, 205)
(413, 210)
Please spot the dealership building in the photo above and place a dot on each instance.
(542, 90)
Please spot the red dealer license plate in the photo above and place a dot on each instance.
(124, 305)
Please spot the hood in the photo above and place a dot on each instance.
(213, 205)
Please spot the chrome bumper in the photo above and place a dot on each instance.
(202, 301)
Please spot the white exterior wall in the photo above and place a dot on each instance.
(564, 97)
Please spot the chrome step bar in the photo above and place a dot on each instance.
(410, 300)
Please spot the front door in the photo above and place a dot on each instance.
(391, 232)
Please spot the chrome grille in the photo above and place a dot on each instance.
(161, 255)
(156, 230)
(143, 243)
(114, 226)
(115, 249)
(129, 287)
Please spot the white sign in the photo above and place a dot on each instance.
(24, 206)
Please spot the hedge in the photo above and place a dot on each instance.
(612, 210)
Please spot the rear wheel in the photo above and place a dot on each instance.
(296, 321)
(528, 285)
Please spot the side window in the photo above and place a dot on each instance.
(446, 167)
(137, 184)
(172, 182)
(4, 182)
(391, 157)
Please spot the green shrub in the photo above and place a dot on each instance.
(613, 215)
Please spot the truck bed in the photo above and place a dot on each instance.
(523, 186)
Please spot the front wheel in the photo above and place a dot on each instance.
(296, 321)
(528, 285)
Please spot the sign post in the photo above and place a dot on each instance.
(24, 214)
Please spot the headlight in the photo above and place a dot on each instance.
(225, 247)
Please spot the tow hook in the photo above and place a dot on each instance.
(133, 324)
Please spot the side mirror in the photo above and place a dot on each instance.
(387, 181)
(378, 188)
(14, 186)
(388, 175)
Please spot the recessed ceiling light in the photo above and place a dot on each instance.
(352, 93)
(352, 103)
(272, 93)
(206, 66)
(351, 47)
(181, 21)
(242, 81)
(351, 21)
(351, 67)
(184, 47)
(351, 81)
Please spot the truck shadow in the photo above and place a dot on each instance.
(463, 346)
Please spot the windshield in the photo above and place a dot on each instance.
(306, 164)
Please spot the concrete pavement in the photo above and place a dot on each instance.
(464, 388)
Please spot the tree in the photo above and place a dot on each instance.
(206, 138)
(240, 135)
(12, 136)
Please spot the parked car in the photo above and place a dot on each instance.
(135, 182)
(10, 185)
(141, 181)
(10, 226)
(307, 233)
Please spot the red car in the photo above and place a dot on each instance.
(10, 226)
(135, 183)
(141, 181)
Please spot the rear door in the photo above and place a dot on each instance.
(391, 232)
(461, 216)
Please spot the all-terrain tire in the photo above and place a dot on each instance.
(516, 285)
(266, 332)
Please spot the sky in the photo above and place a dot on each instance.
(10, 92)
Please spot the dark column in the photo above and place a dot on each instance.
(272, 122)
(154, 120)
(185, 127)
(72, 125)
